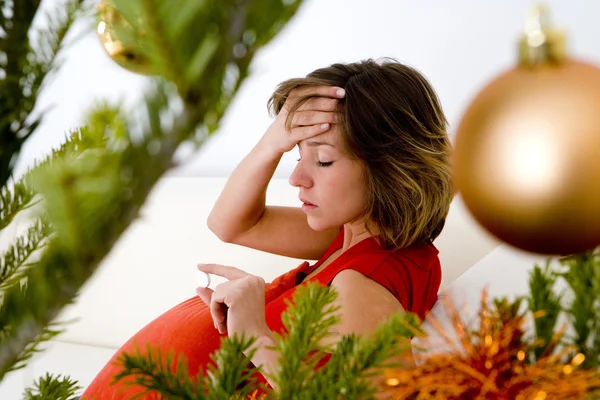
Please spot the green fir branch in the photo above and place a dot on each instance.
(157, 372)
(228, 376)
(13, 261)
(231, 374)
(14, 198)
(32, 348)
(25, 70)
(91, 200)
(582, 274)
(545, 306)
(307, 323)
(356, 361)
(52, 387)
(17, 196)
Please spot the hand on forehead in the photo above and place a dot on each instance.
(330, 138)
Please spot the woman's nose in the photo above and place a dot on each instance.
(299, 176)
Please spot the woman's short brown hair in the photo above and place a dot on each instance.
(392, 121)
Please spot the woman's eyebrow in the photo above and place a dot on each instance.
(315, 143)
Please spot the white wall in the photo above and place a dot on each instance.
(458, 44)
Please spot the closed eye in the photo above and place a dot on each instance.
(319, 163)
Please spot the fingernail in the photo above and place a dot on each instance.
(341, 92)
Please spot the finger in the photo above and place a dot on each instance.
(218, 310)
(305, 118)
(226, 272)
(323, 91)
(320, 104)
(306, 132)
(205, 294)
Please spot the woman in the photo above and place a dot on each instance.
(375, 185)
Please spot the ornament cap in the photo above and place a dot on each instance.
(541, 43)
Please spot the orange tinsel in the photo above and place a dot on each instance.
(493, 363)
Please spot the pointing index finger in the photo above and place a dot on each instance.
(226, 272)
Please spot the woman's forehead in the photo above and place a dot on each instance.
(332, 136)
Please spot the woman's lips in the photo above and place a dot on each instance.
(307, 205)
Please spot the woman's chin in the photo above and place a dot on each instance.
(317, 224)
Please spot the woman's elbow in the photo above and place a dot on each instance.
(215, 226)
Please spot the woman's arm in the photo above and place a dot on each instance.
(240, 215)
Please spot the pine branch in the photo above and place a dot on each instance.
(582, 274)
(545, 306)
(14, 260)
(18, 196)
(163, 56)
(92, 200)
(160, 374)
(53, 388)
(232, 375)
(48, 333)
(13, 200)
(17, 18)
(25, 70)
(157, 372)
(350, 371)
(307, 324)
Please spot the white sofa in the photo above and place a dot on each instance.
(152, 268)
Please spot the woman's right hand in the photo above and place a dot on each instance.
(313, 118)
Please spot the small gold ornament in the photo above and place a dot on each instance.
(527, 151)
(122, 41)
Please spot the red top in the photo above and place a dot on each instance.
(412, 275)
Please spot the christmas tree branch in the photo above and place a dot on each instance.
(357, 361)
(25, 70)
(48, 333)
(227, 377)
(14, 198)
(307, 324)
(162, 54)
(92, 200)
(545, 306)
(582, 274)
(52, 387)
(231, 375)
(20, 197)
(13, 261)
(153, 371)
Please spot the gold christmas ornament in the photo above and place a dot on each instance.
(121, 40)
(527, 151)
